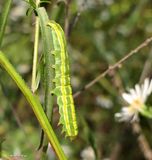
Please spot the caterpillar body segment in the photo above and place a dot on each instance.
(62, 81)
(63, 89)
(66, 90)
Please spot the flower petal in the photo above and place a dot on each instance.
(145, 89)
(127, 97)
(126, 114)
(136, 99)
(150, 88)
(133, 94)
(138, 91)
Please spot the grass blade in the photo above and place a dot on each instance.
(35, 104)
(3, 18)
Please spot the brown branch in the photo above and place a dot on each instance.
(143, 144)
(116, 151)
(112, 67)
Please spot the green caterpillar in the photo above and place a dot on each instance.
(63, 89)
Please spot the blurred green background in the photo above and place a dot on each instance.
(104, 31)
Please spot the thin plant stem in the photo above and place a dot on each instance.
(35, 105)
(48, 70)
(66, 26)
(35, 54)
(3, 18)
(118, 64)
(143, 143)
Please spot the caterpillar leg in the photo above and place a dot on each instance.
(52, 93)
(56, 52)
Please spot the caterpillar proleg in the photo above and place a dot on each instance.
(63, 89)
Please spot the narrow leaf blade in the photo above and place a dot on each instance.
(3, 18)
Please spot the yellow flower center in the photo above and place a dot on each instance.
(135, 105)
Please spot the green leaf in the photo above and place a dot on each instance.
(3, 18)
(45, 1)
(32, 3)
(29, 11)
(48, 62)
(146, 111)
(48, 59)
(37, 81)
(39, 74)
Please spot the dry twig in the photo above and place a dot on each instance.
(143, 144)
(112, 67)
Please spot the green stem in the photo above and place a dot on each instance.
(49, 60)
(146, 111)
(35, 104)
(3, 18)
(35, 55)
(48, 70)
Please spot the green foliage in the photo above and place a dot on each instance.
(3, 18)
(146, 111)
(101, 32)
(35, 105)
(48, 58)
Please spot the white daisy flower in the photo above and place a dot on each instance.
(88, 154)
(136, 99)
